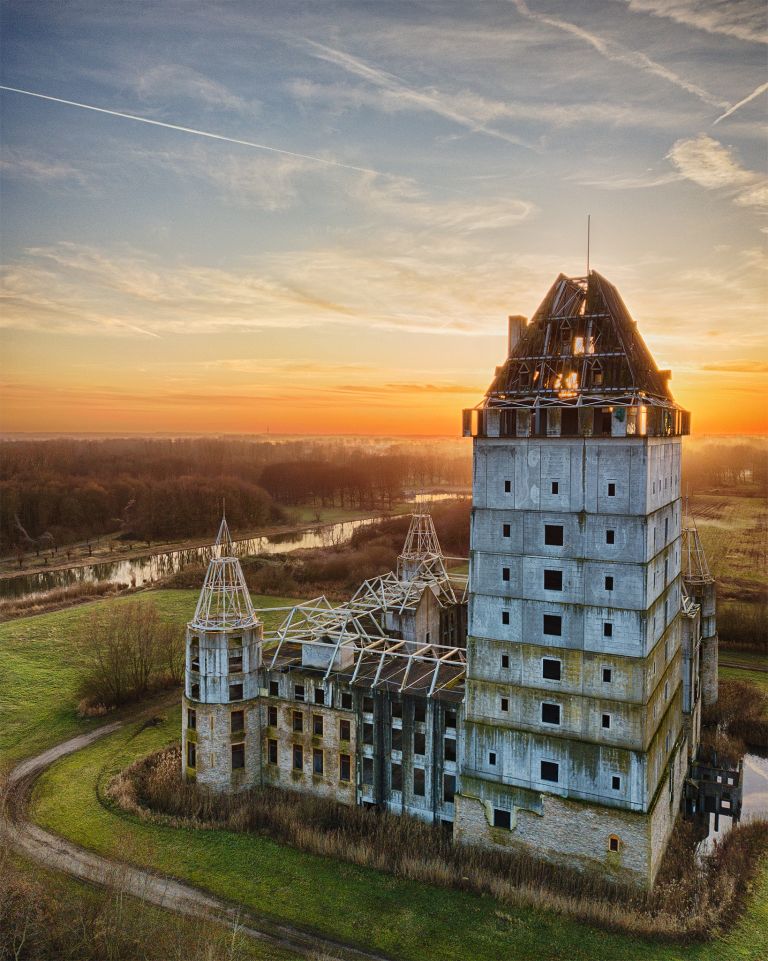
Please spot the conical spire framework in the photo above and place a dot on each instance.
(224, 601)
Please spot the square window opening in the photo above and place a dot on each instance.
(550, 771)
(550, 713)
(553, 625)
(553, 580)
(502, 819)
(553, 535)
(551, 669)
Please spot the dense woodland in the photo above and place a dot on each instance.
(61, 491)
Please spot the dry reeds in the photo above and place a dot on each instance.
(740, 714)
(693, 897)
(56, 598)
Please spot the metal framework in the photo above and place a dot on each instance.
(695, 566)
(224, 602)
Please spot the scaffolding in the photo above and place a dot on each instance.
(224, 602)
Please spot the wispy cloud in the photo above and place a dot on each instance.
(617, 53)
(30, 165)
(177, 81)
(713, 166)
(737, 367)
(396, 91)
(737, 106)
(742, 19)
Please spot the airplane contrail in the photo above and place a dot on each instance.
(192, 130)
(755, 93)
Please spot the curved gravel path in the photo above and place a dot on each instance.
(55, 852)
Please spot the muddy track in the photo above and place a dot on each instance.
(55, 852)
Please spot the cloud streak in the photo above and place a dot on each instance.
(617, 53)
(190, 130)
(713, 166)
(742, 19)
(737, 106)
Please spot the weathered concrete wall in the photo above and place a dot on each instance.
(213, 736)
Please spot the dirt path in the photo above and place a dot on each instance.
(55, 852)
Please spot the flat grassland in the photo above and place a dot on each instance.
(734, 534)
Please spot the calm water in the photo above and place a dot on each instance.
(754, 799)
(138, 571)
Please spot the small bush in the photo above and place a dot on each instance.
(741, 714)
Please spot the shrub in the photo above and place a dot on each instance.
(741, 713)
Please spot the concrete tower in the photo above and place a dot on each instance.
(220, 713)
(574, 735)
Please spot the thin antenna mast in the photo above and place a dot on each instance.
(589, 218)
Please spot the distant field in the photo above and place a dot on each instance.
(41, 665)
(734, 534)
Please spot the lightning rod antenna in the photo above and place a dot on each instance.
(589, 219)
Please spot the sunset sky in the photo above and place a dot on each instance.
(431, 168)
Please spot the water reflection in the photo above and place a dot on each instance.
(754, 799)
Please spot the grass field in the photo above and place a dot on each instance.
(41, 664)
(406, 919)
(734, 534)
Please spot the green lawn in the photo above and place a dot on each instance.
(405, 919)
(41, 664)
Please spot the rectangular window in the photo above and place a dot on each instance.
(272, 716)
(610, 537)
(616, 782)
(397, 739)
(450, 719)
(397, 777)
(551, 669)
(502, 819)
(553, 624)
(505, 573)
(611, 490)
(553, 580)
(553, 535)
(492, 758)
(505, 617)
(550, 771)
(505, 660)
(345, 730)
(609, 583)
(507, 487)
(506, 530)
(550, 713)
(449, 788)
(298, 721)
(397, 709)
(607, 675)
(238, 756)
(317, 761)
(191, 754)
(237, 719)
(419, 743)
(367, 770)
(298, 692)
(555, 487)
(319, 695)
(298, 757)
(345, 767)
(195, 691)
(194, 656)
(367, 733)
(449, 748)
(317, 725)
(419, 712)
(505, 704)
(367, 705)
(274, 689)
(419, 782)
(235, 692)
(606, 721)
(346, 701)
(607, 629)
(272, 751)
(191, 719)
(235, 663)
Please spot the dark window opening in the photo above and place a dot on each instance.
(298, 692)
(449, 748)
(609, 583)
(505, 573)
(397, 739)
(317, 725)
(607, 629)
(505, 660)
(614, 843)
(298, 757)
(238, 721)
(555, 487)
(505, 704)
(611, 490)
(345, 767)
(191, 719)
(553, 624)
(607, 675)
(367, 733)
(272, 751)
(235, 664)
(319, 695)
(298, 721)
(450, 718)
(317, 761)
(610, 537)
(195, 692)
(553, 580)
(367, 770)
(191, 754)
(550, 771)
(419, 782)
(506, 530)
(274, 689)
(194, 657)
(368, 705)
(502, 819)
(507, 487)
(419, 743)
(419, 712)
(449, 788)
(272, 716)
(492, 758)
(397, 777)
(397, 709)
(346, 701)
(238, 756)
(553, 535)
(606, 720)
(345, 730)
(235, 692)
(505, 617)
(616, 782)
(551, 669)
(550, 713)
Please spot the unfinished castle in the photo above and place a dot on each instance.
(552, 701)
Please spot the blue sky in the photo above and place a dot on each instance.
(162, 280)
